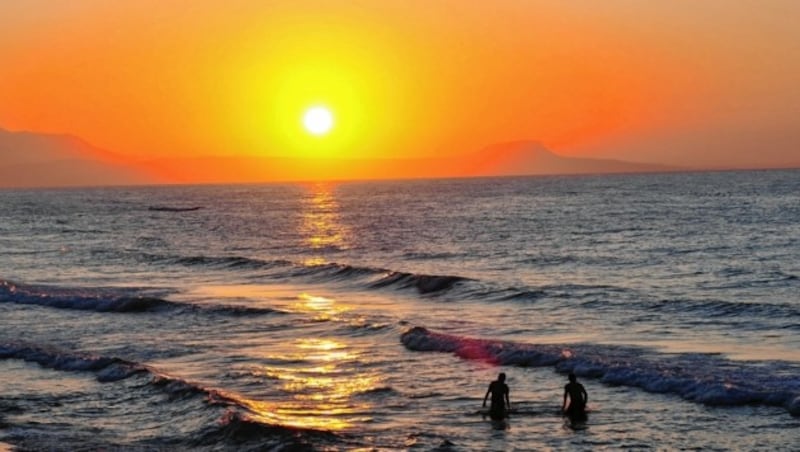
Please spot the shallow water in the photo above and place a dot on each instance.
(374, 315)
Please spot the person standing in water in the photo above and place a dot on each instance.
(498, 410)
(576, 410)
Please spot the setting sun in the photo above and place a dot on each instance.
(318, 120)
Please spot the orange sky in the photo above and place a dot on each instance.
(704, 82)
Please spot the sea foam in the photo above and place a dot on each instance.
(702, 378)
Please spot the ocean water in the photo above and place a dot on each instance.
(373, 316)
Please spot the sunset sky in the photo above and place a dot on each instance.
(704, 82)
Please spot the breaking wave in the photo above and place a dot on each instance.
(106, 369)
(245, 432)
(377, 278)
(235, 426)
(109, 300)
(371, 277)
(701, 378)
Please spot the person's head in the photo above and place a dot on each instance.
(572, 377)
(502, 377)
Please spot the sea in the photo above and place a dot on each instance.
(372, 316)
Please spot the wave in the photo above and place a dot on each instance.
(367, 277)
(241, 429)
(335, 271)
(434, 285)
(214, 262)
(110, 300)
(743, 278)
(31, 253)
(721, 308)
(233, 262)
(237, 425)
(702, 378)
(425, 284)
(421, 255)
(372, 277)
(378, 278)
(107, 369)
(702, 309)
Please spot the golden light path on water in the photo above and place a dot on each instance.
(310, 381)
(321, 389)
(322, 392)
(318, 378)
(321, 225)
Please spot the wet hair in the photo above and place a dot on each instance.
(502, 376)
(571, 377)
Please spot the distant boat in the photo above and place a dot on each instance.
(173, 209)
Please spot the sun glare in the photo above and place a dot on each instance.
(318, 120)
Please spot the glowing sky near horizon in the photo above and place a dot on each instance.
(687, 82)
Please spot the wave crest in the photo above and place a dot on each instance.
(109, 300)
(81, 299)
(107, 369)
(239, 429)
(379, 278)
(701, 378)
(235, 427)
(425, 284)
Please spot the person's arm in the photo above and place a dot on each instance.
(585, 395)
(564, 404)
(508, 401)
(487, 395)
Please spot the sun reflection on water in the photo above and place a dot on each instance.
(319, 378)
(321, 392)
(321, 223)
(323, 308)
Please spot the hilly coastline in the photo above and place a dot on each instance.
(51, 160)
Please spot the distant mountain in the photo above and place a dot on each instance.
(46, 160)
(532, 158)
(504, 159)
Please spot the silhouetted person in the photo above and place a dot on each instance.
(577, 400)
(500, 402)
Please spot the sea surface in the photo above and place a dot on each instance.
(374, 315)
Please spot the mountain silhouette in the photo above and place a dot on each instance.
(516, 158)
(533, 158)
(50, 160)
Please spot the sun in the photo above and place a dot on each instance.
(318, 120)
